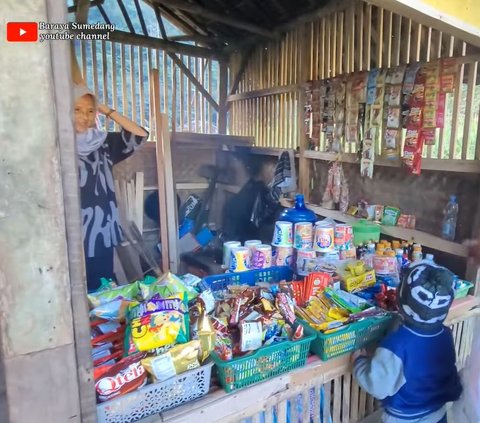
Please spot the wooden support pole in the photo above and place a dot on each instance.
(81, 11)
(222, 115)
(162, 197)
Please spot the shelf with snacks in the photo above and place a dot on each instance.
(426, 239)
(445, 165)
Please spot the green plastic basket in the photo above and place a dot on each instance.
(354, 336)
(462, 292)
(265, 363)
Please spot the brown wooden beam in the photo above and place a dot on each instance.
(218, 17)
(243, 64)
(93, 3)
(81, 11)
(194, 80)
(169, 46)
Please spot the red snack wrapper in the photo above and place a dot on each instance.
(125, 376)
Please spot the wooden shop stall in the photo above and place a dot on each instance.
(204, 79)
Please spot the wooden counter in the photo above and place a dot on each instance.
(333, 376)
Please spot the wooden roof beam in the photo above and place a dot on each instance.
(217, 17)
(168, 46)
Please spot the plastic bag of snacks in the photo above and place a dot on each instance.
(166, 286)
(179, 359)
(160, 322)
(126, 292)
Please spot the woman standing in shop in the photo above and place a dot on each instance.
(97, 152)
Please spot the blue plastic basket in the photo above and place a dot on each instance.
(218, 283)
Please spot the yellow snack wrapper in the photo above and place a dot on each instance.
(160, 322)
(180, 359)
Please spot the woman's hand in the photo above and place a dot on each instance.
(103, 109)
(357, 354)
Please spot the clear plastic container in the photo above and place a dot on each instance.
(450, 214)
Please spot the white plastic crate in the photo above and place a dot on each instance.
(155, 398)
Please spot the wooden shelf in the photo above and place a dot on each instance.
(462, 166)
(428, 240)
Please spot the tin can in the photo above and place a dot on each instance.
(239, 259)
(250, 244)
(261, 257)
(283, 234)
(324, 237)
(283, 256)
(227, 251)
(303, 237)
(343, 235)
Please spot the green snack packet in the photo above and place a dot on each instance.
(166, 286)
(390, 216)
(126, 292)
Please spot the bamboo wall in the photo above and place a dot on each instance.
(360, 38)
(120, 75)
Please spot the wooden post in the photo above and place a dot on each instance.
(42, 371)
(162, 197)
(222, 115)
(304, 163)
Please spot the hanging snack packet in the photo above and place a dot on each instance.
(160, 322)
(180, 359)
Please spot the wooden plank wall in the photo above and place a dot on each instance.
(119, 73)
(360, 38)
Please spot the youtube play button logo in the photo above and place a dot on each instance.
(22, 32)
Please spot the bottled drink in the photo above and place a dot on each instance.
(417, 254)
(450, 214)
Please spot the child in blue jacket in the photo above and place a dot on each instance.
(413, 371)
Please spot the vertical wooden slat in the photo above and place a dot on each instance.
(306, 406)
(341, 53)
(327, 396)
(174, 98)
(114, 79)
(210, 88)
(182, 98)
(95, 67)
(358, 42)
(282, 412)
(189, 97)
(141, 51)
(347, 378)
(269, 415)
(323, 73)
(362, 404)
(388, 39)
(104, 72)
(133, 94)
(293, 410)
(397, 41)
(333, 40)
(352, 33)
(368, 38)
(472, 79)
(456, 110)
(328, 44)
(477, 143)
(429, 44)
(417, 42)
(370, 404)
(337, 399)
(354, 402)
(380, 37)
(124, 81)
(316, 403)
(408, 42)
(83, 49)
(165, 82)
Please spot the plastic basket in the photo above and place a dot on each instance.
(218, 283)
(265, 363)
(155, 398)
(354, 336)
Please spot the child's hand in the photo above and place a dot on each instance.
(357, 354)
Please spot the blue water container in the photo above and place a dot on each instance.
(298, 213)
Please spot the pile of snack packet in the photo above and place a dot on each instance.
(141, 333)
(331, 309)
(249, 317)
